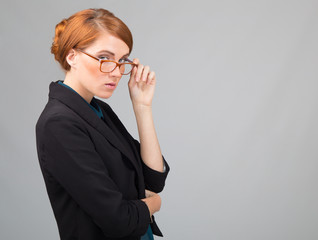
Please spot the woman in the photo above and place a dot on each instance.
(101, 182)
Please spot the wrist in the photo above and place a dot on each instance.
(141, 107)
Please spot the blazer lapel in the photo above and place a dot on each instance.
(79, 105)
(113, 121)
(119, 129)
(113, 128)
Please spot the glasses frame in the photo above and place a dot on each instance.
(101, 61)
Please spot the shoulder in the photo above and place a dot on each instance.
(57, 115)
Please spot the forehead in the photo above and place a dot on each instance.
(108, 42)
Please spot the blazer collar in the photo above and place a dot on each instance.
(74, 101)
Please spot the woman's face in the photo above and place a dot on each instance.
(92, 82)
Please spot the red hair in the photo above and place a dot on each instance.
(82, 28)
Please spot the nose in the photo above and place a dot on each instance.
(115, 72)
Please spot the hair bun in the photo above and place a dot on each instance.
(59, 28)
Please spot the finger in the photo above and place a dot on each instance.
(151, 78)
(139, 72)
(145, 73)
(136, 61)
(133, 72)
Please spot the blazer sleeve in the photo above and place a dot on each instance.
(154, 180)
(70, 156)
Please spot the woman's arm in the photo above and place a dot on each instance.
(149, 146)
(141, 88)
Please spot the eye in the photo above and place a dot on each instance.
(123, 60)
(103, 57)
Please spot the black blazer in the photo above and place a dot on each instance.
(93, 171)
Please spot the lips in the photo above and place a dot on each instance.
(110, 85)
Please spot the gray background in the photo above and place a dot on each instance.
(235, 110)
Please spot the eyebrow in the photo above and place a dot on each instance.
(111, 53)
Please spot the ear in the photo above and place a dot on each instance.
(72, 58)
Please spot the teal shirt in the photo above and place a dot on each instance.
(95, 107)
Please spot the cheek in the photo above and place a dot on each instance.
(92, 69)
(94, 73)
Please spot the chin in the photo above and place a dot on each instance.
(104, 95)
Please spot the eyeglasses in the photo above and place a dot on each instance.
(107, 66)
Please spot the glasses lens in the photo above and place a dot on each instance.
(108, 66)
(126, 68)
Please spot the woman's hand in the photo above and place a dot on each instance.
(141, 85)
(153, 201)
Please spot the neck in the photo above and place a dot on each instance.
(74, 83)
